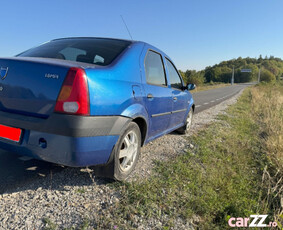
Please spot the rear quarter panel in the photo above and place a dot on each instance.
(111, 87)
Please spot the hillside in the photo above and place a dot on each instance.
(271, 68)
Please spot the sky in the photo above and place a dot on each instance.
(194, 33)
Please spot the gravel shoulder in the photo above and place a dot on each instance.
(71, 196)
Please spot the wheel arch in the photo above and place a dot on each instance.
(141, 122)
(139, 115)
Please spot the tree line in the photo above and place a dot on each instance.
(271, 68)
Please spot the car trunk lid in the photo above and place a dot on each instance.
(30, 86)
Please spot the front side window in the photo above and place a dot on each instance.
(174, 77)
(97, 51)
(154, 69)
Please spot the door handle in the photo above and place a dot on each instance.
(175, 98)
(150, 96)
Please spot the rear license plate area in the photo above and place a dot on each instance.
(10, 133)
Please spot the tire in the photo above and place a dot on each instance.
(127, 152)
(185, 129)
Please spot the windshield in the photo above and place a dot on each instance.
(97, 51)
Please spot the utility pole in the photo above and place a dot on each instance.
(232, 79)
(258, 79)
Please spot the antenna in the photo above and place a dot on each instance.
(126, 27)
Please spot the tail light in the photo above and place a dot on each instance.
(74, 96)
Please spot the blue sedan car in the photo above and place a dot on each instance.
(91, 101)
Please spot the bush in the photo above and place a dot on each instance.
(267, 76)
(196, 79)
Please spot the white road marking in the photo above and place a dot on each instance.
(25, 158)
(221, 98)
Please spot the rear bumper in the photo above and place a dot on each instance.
(65, 139)
(67, 125)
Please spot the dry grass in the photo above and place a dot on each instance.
(267, 103)
(268, 107)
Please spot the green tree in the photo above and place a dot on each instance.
(182, 75)
(196, 78)
(226, 74)
(208, 75)
(267, 76)
(222, 72)
(216, 74)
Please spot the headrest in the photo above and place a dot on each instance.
(84, 58)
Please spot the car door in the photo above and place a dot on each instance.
(158, 99)
(179, 95)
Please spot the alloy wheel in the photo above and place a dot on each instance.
(128, 151)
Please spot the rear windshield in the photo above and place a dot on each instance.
(88, 50)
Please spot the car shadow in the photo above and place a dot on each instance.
(19, 173)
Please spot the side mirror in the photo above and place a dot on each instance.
(191, 86)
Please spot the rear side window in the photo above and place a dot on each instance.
(97, 51)
(154, 69)
(174, 77)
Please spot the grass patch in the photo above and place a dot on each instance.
(49, 225)
(234, 169)
(80, 190)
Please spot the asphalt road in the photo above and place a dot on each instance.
(16, 170)
(209, 98)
